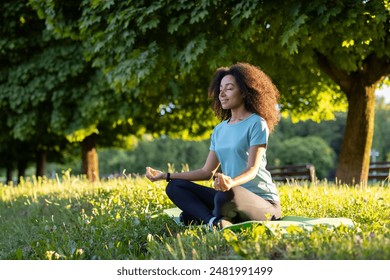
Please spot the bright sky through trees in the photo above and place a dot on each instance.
(384, 92)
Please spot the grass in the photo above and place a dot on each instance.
(122, 219)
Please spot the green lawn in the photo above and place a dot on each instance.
(122, 219)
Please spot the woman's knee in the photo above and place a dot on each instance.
(222, 198)
(170, 188)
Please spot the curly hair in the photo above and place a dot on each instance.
(260, 94)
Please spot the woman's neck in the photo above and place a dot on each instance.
(237, 116)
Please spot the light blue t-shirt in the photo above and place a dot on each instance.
(231, 143)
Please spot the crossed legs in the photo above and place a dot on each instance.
(200, 204)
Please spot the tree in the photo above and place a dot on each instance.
(50, 96)
(304, 150)
(23, 112)
(330, 130)
(323, 55)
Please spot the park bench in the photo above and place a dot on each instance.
(287, 173)
(379, 171)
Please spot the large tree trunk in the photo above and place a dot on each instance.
(359, 86)
(90, 158)
(41, 163)
(355, 153)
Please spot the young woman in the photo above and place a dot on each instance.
(245, 99)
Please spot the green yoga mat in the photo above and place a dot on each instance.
(174, 213)
(282, 224)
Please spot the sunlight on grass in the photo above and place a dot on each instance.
(71, 218)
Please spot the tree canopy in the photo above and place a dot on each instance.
(174, 44)
(324, 56)
(49, 94)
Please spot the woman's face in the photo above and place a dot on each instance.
(229, 93)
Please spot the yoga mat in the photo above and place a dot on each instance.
(282, 224)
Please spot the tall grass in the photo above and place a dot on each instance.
(122, 219)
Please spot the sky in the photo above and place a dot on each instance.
(385, 92)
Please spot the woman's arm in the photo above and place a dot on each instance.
(225, 183)
(205, 173)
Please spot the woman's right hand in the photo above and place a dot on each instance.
(154, 175)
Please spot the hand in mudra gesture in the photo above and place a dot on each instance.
(154, 175)
(222, 182)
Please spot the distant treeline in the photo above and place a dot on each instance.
(291, 143)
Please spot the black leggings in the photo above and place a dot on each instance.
(200, 203)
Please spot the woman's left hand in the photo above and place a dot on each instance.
(223, 183)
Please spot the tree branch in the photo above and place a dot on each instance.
(340, 77)
(376, 68)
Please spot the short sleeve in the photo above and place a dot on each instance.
(259, 133)
(212, 142)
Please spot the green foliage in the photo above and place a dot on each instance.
(319, 54)
(49, 94)
(141, 45)
(381, 141)
(303, 150)
(122, 40)
(330, 131)
(160, 153)
(70, 218)
(157, 59)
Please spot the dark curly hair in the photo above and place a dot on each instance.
(260, 94)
